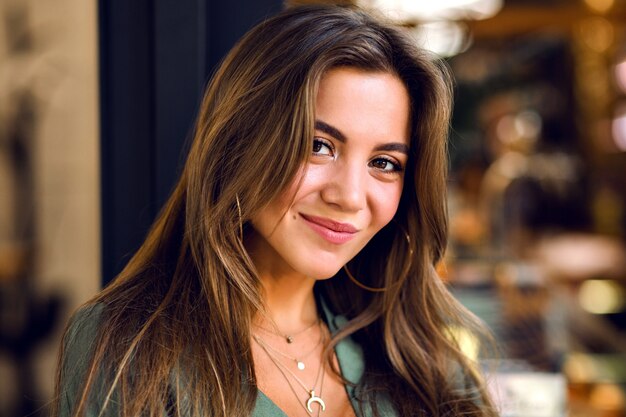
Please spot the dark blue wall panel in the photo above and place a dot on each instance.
(155, 58)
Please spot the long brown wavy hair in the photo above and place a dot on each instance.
(173, 329)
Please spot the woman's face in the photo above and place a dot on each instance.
(350, 188)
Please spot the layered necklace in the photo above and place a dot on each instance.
(274, 355)
(289, 338)
(299, 360)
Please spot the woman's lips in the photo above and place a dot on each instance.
(332, 231)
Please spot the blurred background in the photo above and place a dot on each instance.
(96, 104)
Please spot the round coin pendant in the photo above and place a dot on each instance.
(300, 365)
(289, 339)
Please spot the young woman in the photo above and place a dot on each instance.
(291, 272)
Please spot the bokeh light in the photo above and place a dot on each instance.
(597, 33)
(444, 38)
(438, 10)
(618, 128)
(620, 75)
(600, 6)
(601, 296)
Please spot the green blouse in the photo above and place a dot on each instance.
(83, 329)
(350, 357)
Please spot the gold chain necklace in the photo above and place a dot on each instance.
(288, 337)
(313, 398)
(299, 360)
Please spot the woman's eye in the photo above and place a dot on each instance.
(386, 165)
(321, 147)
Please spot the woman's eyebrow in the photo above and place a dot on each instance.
(336, 133)
(393, 146)
(333, 131)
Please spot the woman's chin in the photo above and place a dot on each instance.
(325, 276)
(321, 273)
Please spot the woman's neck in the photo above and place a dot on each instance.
(289, 301)
(287, 294)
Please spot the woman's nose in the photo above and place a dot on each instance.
(346, 187)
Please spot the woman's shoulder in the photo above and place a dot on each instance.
(81, 333)
(84, 323)
(465, 380)
(76, 352)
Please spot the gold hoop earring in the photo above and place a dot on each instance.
(240, 221)
(373, 289)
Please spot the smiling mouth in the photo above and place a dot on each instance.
(330, 230)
